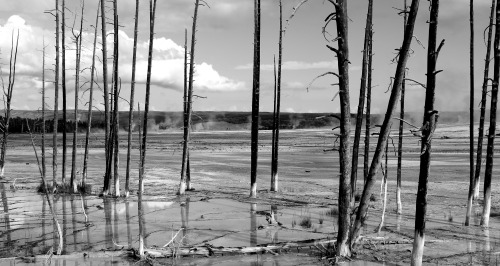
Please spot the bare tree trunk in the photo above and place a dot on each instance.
(132, 92)
(89, 114)
(116, 97)
(384, 189)
(471, 114)
(344, 218)
(8, 99)
(366, 156)
(399, 205)
(152, 11)
(254, 149)
(484, 93)
(189, 104)
(428, 127)
(361, 103)
(107, 174)
(277, 117)
(493, 122)
(141, 184)
(56, 97)
(64, 98)
(387, 124)
(78, 44)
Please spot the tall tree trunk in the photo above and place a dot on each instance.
(8, 100)
(91, 100)
(189, 105)
(428, 127)
(78, 44)
(399, 205)
(254, 148)
(471, 114)
(64, 98)
(152, 11)
(361, 103)
(277, 117)
(107, 174)
(493, 122)
(344, 218)
(131, 110)
(116, 97)
(56, 97)
(484, 92)
(387, 124)
(366, 156)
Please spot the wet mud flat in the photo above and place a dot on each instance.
(219, 212)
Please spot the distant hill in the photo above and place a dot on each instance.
(209, 120)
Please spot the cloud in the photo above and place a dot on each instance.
(293, 65)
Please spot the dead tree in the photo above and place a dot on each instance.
(366, 155)
(493, 121)
(78, 44)
(132, 92)
(91, 100)
(471, 111)
(399, 205)
(254, 148)
(64, 98)
(107, 174)
(116, 97)
(387, 124)
(56, 97)
(428, 127)
(188, 106)
(342, 52)
(484, 92)
(361, 103)
(7, 96)
(277, 102)
(152, 11)
(383, 189)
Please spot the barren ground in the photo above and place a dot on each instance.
(220, 213)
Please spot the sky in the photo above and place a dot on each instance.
(224, 53)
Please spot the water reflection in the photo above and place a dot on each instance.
(185, 221)
(253, 224)
(6, 219)
(108, 230)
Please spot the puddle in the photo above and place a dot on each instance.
(92, 224)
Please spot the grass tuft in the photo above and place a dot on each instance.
(333, 212)
(306, 222)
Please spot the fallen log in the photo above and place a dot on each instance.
(210, 250)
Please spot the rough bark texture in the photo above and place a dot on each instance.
(189, 106)
(344, 220)
(428, 127)
(255, 102)
(91, 102)
(277, 120)
(488, 171)
(361, 102)
(471, 114)
(387, 124)
(44, 167)
(56, 97)
(116, 80)
(132, 93)
(366, 156)
(107, 174)
(484, 93)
